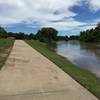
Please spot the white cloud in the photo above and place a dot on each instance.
(39, 12)
(86, 27)
(42, 13)
(68, 24)
(94, 5)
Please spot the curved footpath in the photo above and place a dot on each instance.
(28, 75)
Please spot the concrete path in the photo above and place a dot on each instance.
(27, 75)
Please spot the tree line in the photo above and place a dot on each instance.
(44, 35)
(50, 34)
(92, 35)
(20, 35)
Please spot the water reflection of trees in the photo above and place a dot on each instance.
(91, 48)
(74, 42)
(88, 48)
(52, 46)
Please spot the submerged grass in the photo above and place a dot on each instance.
(5, 48)
(85, 78)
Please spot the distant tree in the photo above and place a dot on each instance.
(61, 38)
(47, 35)
(20, 35)
(74, 37)
(92, 35)
(3, 33)
(98, 25)
(31, 36)
(66, 38)
(38, 34)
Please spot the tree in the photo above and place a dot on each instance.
(3, 33)
(74, 37)
(61, 38)
(31, 36)
(92, 35)
(47, 35)
(98, 25)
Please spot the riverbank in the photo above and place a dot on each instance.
(28, 75)
(5, 48)
(85, 78)
(83, 55)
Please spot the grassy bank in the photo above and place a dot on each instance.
(85, 78)
(5, 48)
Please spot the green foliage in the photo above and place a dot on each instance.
(3, 33)
(84, 77)
(92, 35)
(47, 35)
(21, 35)
(60, 38)
(32, 36)
(74, 37)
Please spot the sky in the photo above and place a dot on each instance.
(69, 17)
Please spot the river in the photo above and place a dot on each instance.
(84, 55)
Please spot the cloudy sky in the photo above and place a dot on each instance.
(67, 16)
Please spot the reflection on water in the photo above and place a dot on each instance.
(84, 55)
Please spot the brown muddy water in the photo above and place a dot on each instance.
(84, 55)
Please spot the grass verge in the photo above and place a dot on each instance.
(5, 48)
(85, 78)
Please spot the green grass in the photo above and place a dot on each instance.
(5, 48)
(85, 78)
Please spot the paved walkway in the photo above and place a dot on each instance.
(27, 75)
